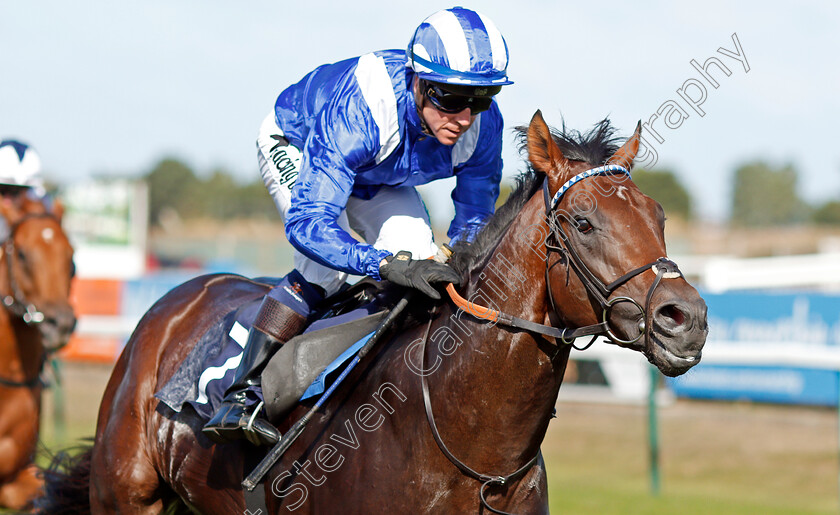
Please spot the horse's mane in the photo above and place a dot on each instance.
(594, 146)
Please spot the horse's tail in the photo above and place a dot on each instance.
(67, 483)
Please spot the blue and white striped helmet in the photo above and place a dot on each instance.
(19, 164)
(459, 46)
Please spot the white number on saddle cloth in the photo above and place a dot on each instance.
(239, 334)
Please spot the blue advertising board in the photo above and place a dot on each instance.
(768, 347)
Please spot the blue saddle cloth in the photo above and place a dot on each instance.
(208, 370)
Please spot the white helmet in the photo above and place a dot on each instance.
(19, 165)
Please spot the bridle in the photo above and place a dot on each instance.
(16, 302)
(556, 241)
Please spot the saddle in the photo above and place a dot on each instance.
(299, 370)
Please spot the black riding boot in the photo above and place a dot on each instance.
(275, 325)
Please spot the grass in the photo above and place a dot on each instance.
(716, 458)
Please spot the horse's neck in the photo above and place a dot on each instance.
(20, 345)
(502, 383)
(20, 349)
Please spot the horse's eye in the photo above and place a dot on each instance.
(21, 256)
(583, 225)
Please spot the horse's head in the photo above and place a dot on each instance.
(37, 267)
(606, 256)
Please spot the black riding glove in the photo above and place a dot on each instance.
(417, 273)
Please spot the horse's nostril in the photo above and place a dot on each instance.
(62, 323)
(671, 312)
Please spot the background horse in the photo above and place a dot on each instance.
(459, 397)
(35, 272)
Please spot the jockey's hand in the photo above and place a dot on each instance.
(417, 273)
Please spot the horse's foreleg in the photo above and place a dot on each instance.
(18, 433)
(18, 482)
(19, 493)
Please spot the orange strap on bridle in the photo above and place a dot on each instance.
(471, 307)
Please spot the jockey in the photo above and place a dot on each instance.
(344, 148)
(20, 176)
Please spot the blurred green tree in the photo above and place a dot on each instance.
(827, 213)
(253, 201)
(217, 196)
(664, 187)
(766, 196)
(172, 185)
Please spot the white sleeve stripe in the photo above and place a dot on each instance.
(465, 146)
(454, 40)
(376, 87)
(497, 43)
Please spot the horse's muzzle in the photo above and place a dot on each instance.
(677, 335)
(57, 326)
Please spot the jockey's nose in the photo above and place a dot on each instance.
(464, 117)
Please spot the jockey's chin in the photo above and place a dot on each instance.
(447, 127)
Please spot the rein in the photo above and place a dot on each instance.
(33, 382)
(663, 267)
(486, 479)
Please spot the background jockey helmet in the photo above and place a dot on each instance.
(19, 165)
(459, 46)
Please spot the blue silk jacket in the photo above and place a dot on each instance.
(357, 125)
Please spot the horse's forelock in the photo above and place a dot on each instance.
(595, 146)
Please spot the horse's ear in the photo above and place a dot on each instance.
(57, 209)
(627, 153)
(544, 154)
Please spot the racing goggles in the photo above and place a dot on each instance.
(454, 99)
(12, 190)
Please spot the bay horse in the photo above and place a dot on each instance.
(449, 414)
(36, 264)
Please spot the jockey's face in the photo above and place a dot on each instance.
(445, 127)
(13, 193)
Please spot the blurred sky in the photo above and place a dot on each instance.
(109, 88)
